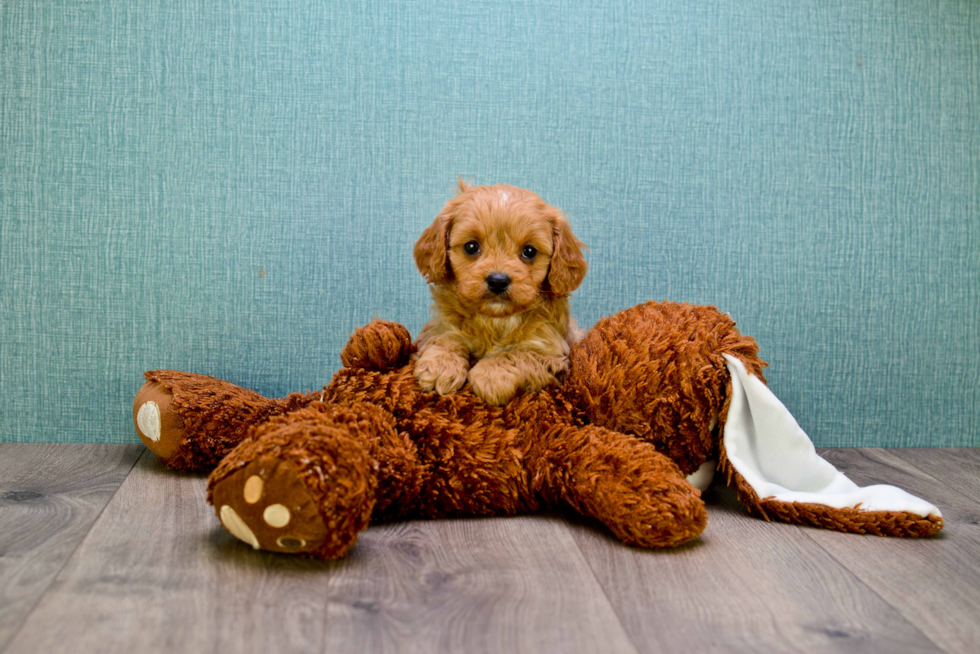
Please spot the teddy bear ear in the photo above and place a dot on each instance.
(568, 264)
(432, 248)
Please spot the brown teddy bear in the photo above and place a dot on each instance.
(655, 396)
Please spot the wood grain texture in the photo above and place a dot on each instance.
(934, 583)
(515, 584)
(957, 467)
(156, 572)
(744, 586)
(50, 495)
(159, 574)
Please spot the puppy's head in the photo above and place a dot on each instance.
(502, 249)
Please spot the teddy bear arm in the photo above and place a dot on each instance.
(379, 345)
(638, 493)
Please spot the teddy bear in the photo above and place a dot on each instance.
(656, 399)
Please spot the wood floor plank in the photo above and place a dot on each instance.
(934, 582)
(157, 573)
(744, 586)
(957, 467)
(50, 495)
(517, 584)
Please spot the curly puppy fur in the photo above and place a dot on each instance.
(501, 263)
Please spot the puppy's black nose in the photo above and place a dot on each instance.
(497, 282)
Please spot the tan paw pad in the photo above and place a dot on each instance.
(148, 420)
(234, 524)
(276, 515)
(253, 489)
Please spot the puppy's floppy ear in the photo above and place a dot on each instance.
(567, 262)
(432, 248)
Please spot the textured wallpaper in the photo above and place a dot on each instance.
(231, 187)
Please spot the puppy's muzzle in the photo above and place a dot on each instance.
(497, 282)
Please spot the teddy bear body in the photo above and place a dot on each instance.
(641, 407)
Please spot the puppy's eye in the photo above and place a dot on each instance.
(472, 247)
(529, 252)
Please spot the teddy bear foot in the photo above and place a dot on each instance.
(157, 425)
(266, 505)
(301, 482)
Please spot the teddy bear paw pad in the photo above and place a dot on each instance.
(237, 527)
(267, 505)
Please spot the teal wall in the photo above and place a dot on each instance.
(230, 187)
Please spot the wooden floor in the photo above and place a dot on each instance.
(102, 550)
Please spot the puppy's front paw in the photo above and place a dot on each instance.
(440, 370)
(494, 382)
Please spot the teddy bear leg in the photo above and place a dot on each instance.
(192, 421)
(640, 494)
(309, 481)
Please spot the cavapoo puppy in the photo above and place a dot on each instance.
(501, 264)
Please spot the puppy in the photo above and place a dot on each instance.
(500, 263)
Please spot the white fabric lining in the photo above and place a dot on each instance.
(764, 443)
(701, 478)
